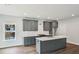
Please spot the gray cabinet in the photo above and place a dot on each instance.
(46, 26)
(29, 40)
(30, 25)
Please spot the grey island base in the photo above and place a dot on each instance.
(50, 44)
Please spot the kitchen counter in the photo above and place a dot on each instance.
(38, 35)
(50, 38)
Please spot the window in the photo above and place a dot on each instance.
(9, 31)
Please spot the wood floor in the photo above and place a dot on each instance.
(70, 49)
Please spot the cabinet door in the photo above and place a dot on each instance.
(34, 25)
(26, 25)
(46, 26)
(29, 40)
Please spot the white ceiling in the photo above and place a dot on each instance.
(59, 11)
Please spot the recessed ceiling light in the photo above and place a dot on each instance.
(57, 18)
(48, 18)
(25, 14)
(38, 16)
(73, 15)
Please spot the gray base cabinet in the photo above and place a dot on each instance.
(29, 40)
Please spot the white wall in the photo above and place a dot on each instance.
(70, 28)
(9, 19)
(4, 19)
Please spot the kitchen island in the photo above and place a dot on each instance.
(50, 44)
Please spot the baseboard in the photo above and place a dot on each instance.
(74, 43)
(10, 46)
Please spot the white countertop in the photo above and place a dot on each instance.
(50, 38)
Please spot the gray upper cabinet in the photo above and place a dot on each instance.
(30, 25)
(46, 26)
